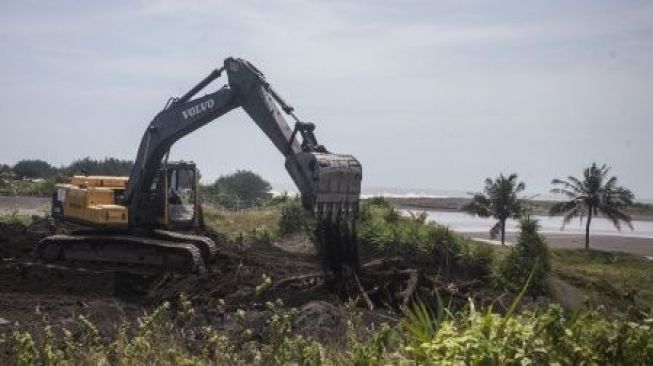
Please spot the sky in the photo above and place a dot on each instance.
(426, 94)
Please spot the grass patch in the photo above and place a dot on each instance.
(245, 225)
(608, 278)
(15, 218)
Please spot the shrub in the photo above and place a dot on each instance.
(549, 337)
(383, 228)
(530, 253)
(477, 259)
(292, 218)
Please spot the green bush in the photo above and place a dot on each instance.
(477, 259)
(529, 254)
(383, 228)
(292, 218)
(550, 337)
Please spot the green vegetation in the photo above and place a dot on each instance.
(242, 189)
(595, 193)
(384, 229)
(15, 218)
(40, 188)
(481, 337)
(427, 333)
(618, 280)
(33, 169)
(500, 200)
(107, 166)
(293, 217)
(251, 225)
(527, 259)
(176, 335)
(38, 178)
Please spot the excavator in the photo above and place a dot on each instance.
(152, 220)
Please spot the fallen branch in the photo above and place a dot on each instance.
(411, 285)
(370, 305)
(303, 277)
(382, 262)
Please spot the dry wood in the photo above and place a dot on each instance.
(411, 286)
(302, 277)
(369, 303)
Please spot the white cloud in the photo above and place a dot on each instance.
(406, 87)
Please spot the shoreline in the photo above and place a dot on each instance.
(456, 204)
(608, 243)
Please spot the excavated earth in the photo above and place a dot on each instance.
(34, 294)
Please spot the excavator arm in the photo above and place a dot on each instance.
(329, 183)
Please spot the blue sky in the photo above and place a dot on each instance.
(427, 94)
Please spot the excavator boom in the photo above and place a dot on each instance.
(329, 183)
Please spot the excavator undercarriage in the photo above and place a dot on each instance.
(152, 222)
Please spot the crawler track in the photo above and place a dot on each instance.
(163, 251)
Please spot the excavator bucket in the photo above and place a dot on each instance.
(338, 187)
(331, 189)
(330, 183)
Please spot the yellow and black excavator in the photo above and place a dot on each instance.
(152, 220)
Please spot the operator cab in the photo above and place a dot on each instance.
(180, 192)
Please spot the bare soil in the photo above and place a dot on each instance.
(35, 294)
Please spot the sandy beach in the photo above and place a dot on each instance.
(634, 245)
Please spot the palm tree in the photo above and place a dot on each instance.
(594, 194)
(499, 200)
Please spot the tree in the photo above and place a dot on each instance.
(594, 194)
(500, 200)
(6, 176)
(33, 169)
(108, 166)
(242, 186)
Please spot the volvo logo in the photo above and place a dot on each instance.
(197, 109)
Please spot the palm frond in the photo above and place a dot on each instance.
(495, 230)
(616, 216)
(479, 205)
(559, 208)
(578, 186)
(570, 215)
(565, 192)
(572, 187)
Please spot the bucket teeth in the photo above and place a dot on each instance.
(338, 186)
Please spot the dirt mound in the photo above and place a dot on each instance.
(18, 240)
(321, 320)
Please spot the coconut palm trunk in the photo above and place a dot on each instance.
(503, 232)
(587, 228)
